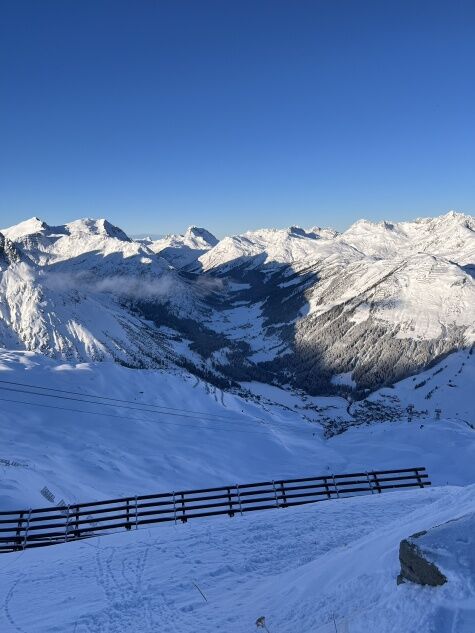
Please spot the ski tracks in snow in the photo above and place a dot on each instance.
(127, 603)
(7, 610)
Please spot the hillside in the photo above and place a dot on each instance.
(92, 431)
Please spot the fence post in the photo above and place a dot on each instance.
(370, 483)
(136, 514)
(336, 487)
(127, 514)
(376, 482)
(239, 498)
(284, 505)
(275, 494)
(231, 512)
(66, 526)
(418, 477)
(26, 528)
(183, 517)
(327, 489)
(18, 531)
(174, 507)
(77, 533)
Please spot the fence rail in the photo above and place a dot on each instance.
(37, 527)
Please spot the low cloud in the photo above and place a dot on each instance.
(210, 284)
(133, 287)
(137, 287)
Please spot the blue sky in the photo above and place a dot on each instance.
(236, 114)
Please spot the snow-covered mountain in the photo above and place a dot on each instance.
(46, 244)
(183, 250)
(75, 291)
(450, 236)
(256, 248)
(374, 304)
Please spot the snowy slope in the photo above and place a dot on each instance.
(284, 246)
(384, 320)
(330, 567)
(451, 236)
(75, 292)
(198, 436)
(84, 316)
(443, 391)
(192, 435)
(46, 244)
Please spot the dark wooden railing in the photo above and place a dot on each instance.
(38, 527)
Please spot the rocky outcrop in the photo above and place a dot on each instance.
(432, 557)
(8, 252)
(415, 566)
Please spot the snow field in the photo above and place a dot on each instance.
(83, 451)
(299, 568)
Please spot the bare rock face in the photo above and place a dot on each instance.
(8, 252)
(415, 566)
(434, 556)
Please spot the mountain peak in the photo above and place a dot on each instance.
(460, 218)
(200, 233)
(322, 232)
(97, 227)
(297, 231)
(28, 227)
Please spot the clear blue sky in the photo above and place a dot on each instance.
(236, 114)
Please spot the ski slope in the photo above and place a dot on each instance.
(84, 451)
(317, 569)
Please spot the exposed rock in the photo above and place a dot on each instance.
(415, 566)
(8, 252)
(433, 556)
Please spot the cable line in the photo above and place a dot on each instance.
(103, 404)
(121, 417)
(227, 420)
(90, 395)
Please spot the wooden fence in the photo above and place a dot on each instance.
(38, 527)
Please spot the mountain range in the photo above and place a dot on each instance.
(310, 309)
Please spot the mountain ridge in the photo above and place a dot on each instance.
(378, 302)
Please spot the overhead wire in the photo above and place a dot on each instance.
(210, 425)
(188, 413)
(107, 404)
(90, 395)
